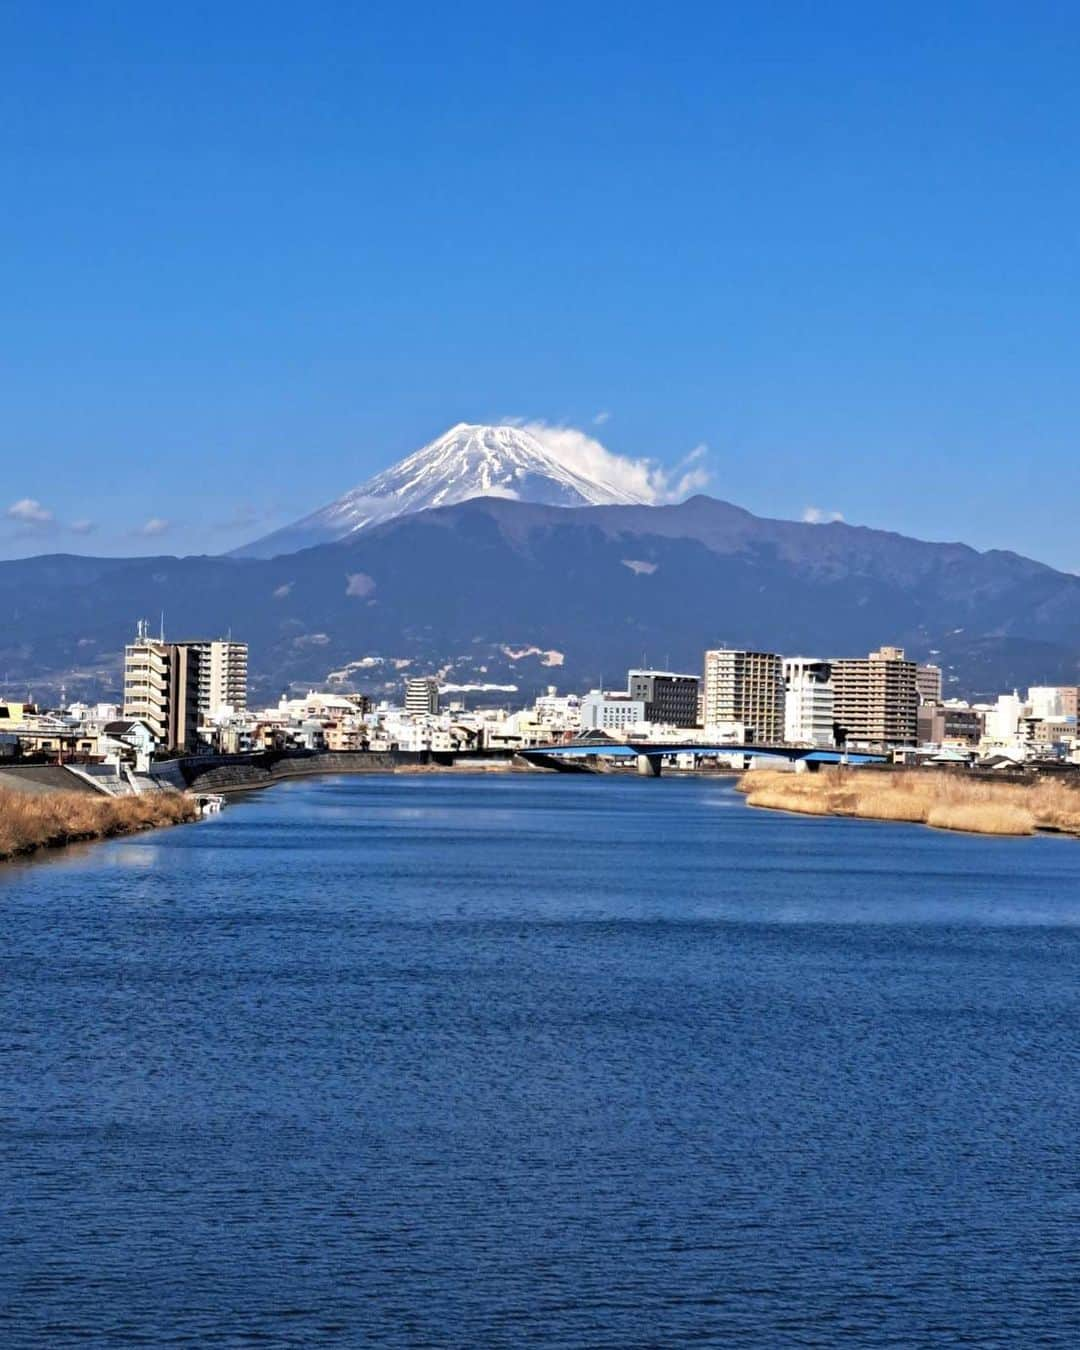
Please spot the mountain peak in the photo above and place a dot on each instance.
(469, 460)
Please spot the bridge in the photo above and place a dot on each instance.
(650, 754)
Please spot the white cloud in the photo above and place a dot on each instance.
(29, 512)
(691, 479)
(601, 417)
(815, 515)
(641, 480)
(82, 527)
(359, 583)
(153, 527)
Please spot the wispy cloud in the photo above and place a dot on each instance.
(82, 527)
(245, 516)
(28, 511)
(642, 480)
(601, 417)
(691, 473)
(150, 529)
(816, 515)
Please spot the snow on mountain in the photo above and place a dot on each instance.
(466, 461)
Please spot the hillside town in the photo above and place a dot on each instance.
(191, 697)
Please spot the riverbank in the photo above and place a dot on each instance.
(29, 823)
(263, 768)
(945, 801)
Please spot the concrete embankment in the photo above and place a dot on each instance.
(944, 800)
(241, 773)
(30, 820)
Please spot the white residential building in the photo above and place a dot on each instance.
(1053, 702)
(602, 711)
(1003, 719)
(422, 694)
(558, 712)
(809, 703)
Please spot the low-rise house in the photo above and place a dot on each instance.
(128, 741)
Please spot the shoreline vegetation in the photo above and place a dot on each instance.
(944, 801)
(32, 822)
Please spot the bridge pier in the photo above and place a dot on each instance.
(648, 766)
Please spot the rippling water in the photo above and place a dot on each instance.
(554, 1061)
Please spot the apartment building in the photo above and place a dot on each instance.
(928, 683)
(809, 701)
(876, 698)
(174, 687)
(745, 687)
(422, 695)
(148, 685)
(1053, 702)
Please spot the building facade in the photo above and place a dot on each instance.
(746, 687)
(928, 683)
(422, 695)
(148, 685)
(174, 687)
(876, 698)
(603, 711)
(1052, 702)
(809, 702)
(222, 675)
(669, 698)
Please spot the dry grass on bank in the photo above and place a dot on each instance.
(29, 822)
(946, 801)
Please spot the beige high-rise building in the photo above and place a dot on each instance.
(876, 698)
(148, 684)
(746, 687)
(928, 683)
(176, 686)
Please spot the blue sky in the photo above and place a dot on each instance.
(250, 254)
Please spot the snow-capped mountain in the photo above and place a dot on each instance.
(466, 461)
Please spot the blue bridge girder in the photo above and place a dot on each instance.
(652, 750)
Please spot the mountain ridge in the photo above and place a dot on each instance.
(495, 591)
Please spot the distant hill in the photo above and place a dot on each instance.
(498, 592)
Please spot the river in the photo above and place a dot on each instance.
(530, 1060)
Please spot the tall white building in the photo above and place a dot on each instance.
(422, 694)
(809, 702)
(1003, 719)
